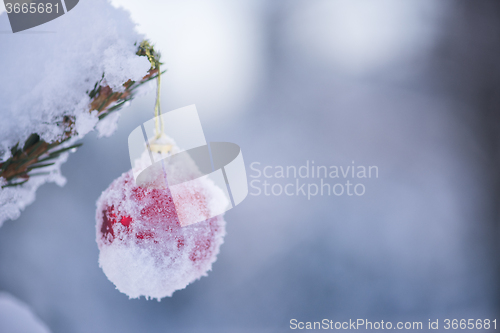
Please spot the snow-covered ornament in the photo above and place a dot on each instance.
(154, 238)
(144, 249)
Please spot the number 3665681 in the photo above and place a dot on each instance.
(31, 8)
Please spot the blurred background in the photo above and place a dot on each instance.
(412, 87)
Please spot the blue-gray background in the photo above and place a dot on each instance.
(412, 89)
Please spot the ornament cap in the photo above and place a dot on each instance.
(161, 144)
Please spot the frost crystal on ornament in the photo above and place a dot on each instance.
(144, 250)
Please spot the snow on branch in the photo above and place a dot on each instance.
(59, 84)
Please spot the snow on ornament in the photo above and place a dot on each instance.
(144, 248)
(160, 225)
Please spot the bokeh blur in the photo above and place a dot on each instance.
(412, 87)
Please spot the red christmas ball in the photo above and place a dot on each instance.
(144, 250)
